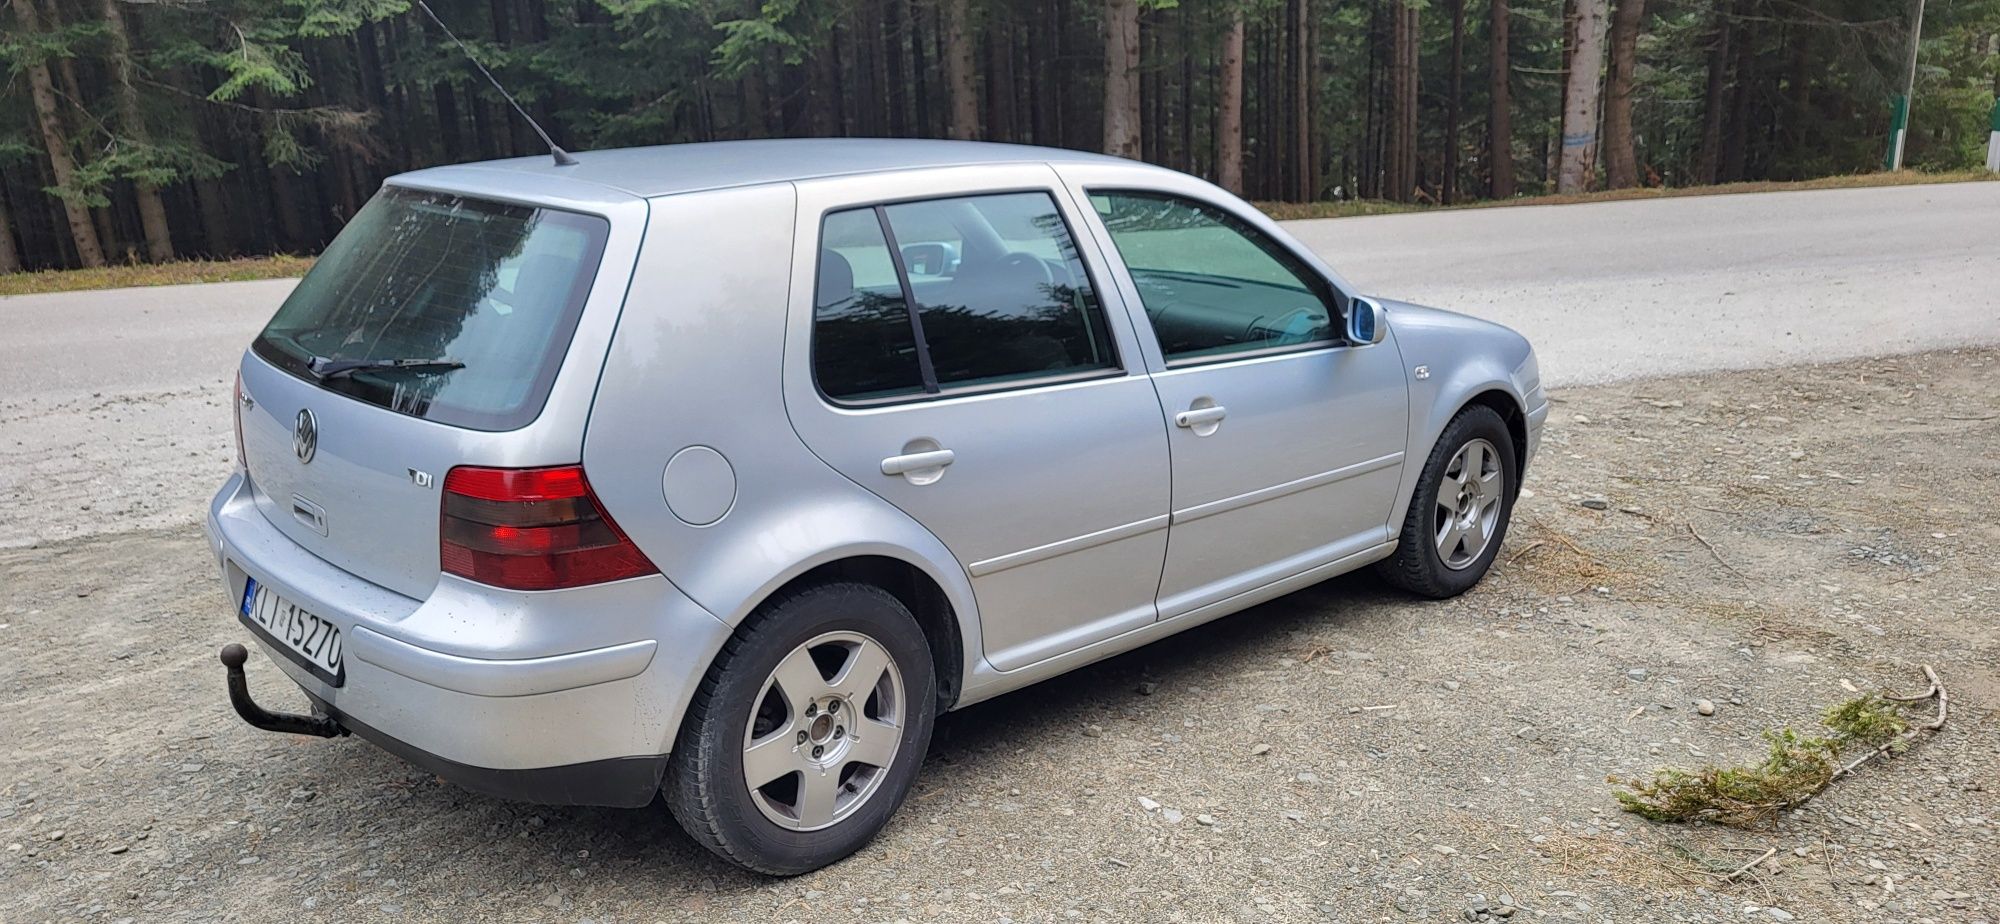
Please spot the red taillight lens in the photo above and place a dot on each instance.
(236, 409)
(532, 529)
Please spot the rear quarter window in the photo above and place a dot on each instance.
(487, 293)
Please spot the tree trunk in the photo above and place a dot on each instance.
(1401, 170)
(1229, 108)
(1121, 78)
(1451, 101)
(1736, 136)
(1578, 162)
(152, 213)
(10, 250)
(1305, 170)
(959, 75)
(42, 88)
(1500, 118)
(1621, 164)
(1712, 99)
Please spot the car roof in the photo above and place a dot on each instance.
(666, 170)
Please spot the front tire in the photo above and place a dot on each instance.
(807, 732)
(1459, 513)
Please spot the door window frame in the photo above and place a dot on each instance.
(933, 391)
(1330, 295)
(1083, 178)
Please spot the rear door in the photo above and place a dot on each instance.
(1287, 442)
(1007, 412)
(480, 301)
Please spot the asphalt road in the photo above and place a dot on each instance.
(114, 398)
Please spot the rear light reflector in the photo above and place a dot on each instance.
(532, 529)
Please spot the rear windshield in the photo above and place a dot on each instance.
(474, 300)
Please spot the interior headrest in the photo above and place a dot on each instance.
(836, 278)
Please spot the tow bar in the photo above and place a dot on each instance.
(233, 657)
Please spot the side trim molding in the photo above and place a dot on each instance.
(1191, 514)
(1001, 563)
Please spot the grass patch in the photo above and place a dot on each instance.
(1289, 211)
(1792, 771)
(154, 274)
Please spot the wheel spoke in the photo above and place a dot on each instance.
(799, 679)
(817, 790)
(874, 742)
(1448, 539)
(861, 673)
(770, 758)
(1475, 535)
(1475, 461)
(1489, 484)
(1448, 494)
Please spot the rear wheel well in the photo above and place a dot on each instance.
(919, 594)
(1510, 411)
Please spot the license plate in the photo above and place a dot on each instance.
(310, 641)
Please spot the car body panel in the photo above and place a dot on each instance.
(478, 676)
(1301, 470)
(359, 502)
(664, 390)
(1463, 357)
(1056, 501)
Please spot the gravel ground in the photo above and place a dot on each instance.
(1765, 540)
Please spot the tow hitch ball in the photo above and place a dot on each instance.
(233, 656)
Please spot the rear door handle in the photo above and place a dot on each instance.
(1196, 417)
(918, 462)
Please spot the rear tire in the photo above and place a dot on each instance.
(825, 699)
(1448, 542)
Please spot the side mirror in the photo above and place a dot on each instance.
(1367, 321)
(930, 258)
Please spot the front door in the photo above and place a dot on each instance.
(1286, 441)
(963, 367)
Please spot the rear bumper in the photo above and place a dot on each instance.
(621, 782)
(570, 697)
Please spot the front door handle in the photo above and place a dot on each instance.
(917, 463)
(1200, 417)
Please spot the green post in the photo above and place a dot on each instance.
(1899, 125)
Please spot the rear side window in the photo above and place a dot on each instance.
(960, 293)
(441, 307)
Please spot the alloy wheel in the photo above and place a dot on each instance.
(828, 723)
(1468, 504)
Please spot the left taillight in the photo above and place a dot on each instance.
(236, 409)
(532, 529)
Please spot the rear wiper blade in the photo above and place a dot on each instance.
(323, 368)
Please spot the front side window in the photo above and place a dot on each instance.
(991, 284)
(1211, 284)
(442, 307)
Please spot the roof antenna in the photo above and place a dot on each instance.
(562, 157)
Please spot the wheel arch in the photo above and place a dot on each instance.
(1432, 411)
(1504, 403)
(913, 587)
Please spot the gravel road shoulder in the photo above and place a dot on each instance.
(1342, 754)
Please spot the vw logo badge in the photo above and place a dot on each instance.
(305, 436)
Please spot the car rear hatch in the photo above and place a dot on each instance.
(442, 328)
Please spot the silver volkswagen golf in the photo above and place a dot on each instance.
(718, 471)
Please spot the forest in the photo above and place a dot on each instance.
(155, 130)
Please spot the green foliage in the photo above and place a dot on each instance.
(1794, 767)
(1869, 721)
